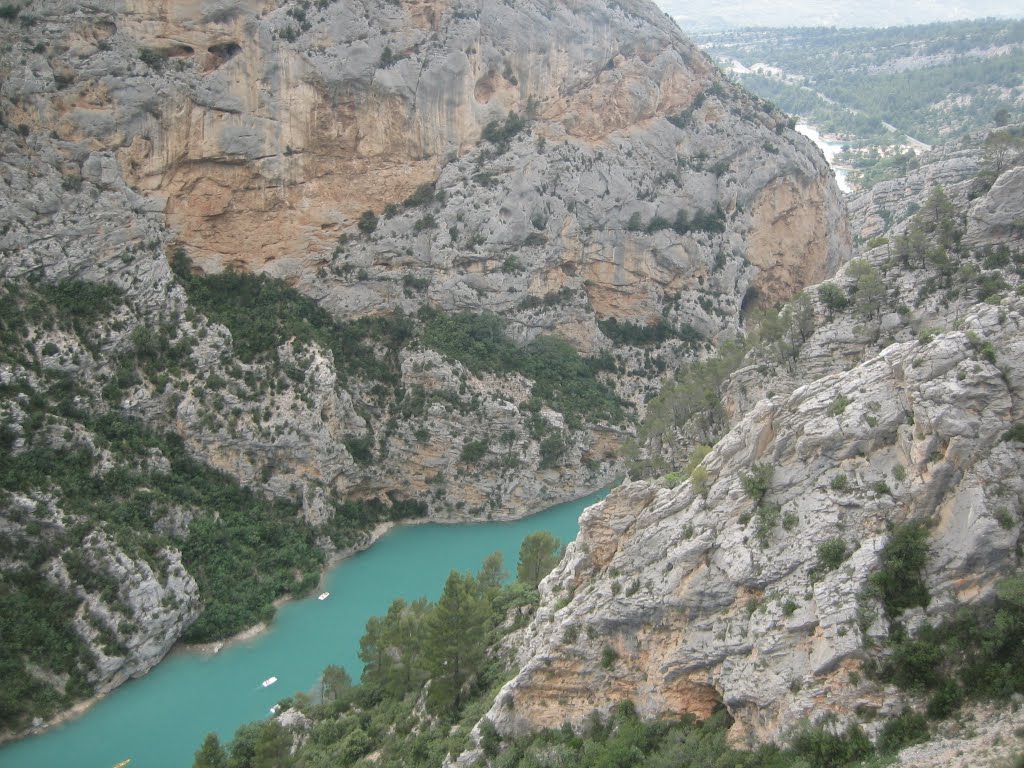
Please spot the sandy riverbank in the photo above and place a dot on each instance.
(248, 634)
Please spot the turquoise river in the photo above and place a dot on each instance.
(159, 721)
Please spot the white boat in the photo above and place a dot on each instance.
(269, 682)
(324, 596)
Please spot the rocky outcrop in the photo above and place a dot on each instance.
(980, 175)
(681, 599)
(132, 627)
(893, 407)
(999, 217)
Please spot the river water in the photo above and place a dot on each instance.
(160, 720)
(830, 150)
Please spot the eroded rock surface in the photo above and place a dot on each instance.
(677, 601)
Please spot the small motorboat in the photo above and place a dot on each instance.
(324, 595)
(269, 682)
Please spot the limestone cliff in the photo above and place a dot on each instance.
(261, 132)
(635, 184)
(895, 408)
(698, 612)
(968, 171)
(562, 166)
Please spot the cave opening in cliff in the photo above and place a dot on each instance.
(225, 51)
(750, 302)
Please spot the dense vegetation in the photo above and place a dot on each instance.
(74, 470)
(75, 465)
(263, 313)
(875, 86)
(562, 378)
(978, 654)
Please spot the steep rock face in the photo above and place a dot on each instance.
(254, 134)
(683, 599)
(980, 175)
(262, 131)
(144, 616)
(668, 598)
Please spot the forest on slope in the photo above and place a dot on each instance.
(874, 88)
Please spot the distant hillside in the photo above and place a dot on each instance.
(718, 15)
(877, 87)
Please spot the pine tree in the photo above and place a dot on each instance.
(333, 682)
(455, 641)
(273, 747)
(211, 754)
(538, 555)
(492, 572)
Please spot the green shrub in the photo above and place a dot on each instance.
(1016, 433)
(473, 451)
(839, 405)
(608, 657)
(552, 448)
(902, 731)
(768, 516)
(900, 581)
(1004, 518)
(831, 554)
(500, 134)
(946, 700)
(822, 748)
(360, 448)
(427, 221)
(424, 194)
(367, 222)
(758, 481)
(839, 483)
(700, 481)
(152, 58)
(645, 335)
(833, 298)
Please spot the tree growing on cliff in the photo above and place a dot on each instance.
(868, 289)
(455, 642)
(367, 222)
(538, 555)
(757, 482)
